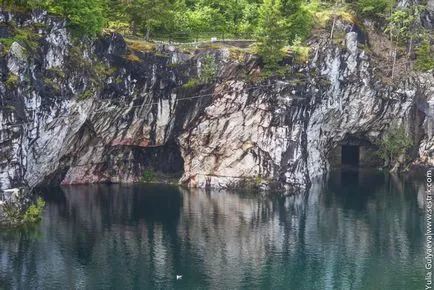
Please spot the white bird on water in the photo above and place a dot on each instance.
(178, 277)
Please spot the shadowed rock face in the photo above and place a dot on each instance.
(105, 112)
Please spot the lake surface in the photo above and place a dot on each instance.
(355, 231)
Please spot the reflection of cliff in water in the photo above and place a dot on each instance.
(339, 236)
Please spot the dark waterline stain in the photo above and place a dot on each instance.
(362, 231)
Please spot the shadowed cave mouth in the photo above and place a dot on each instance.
(152, 164)
(350, 155)
(354, 152)
(160, 164)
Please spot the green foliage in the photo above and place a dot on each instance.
(280, 22)
(203, 19)
(12, 81)
(86, 95)
(394, 145)
(10, 108)
(24, 36)
(192, 83)
(249, 20)
(271, 33)
(141, 45)
(57, 72)
(148, 176)
(207, 72)
(84, 16)
(34, 213)
(134, 58)
(401, 24)
(101, 69)
(374, 8)
(148, 15)
(425, 56)
(13, 214)
(299, 24)
(15, 217)
(52, 84)
(209, 69)
(301, 51)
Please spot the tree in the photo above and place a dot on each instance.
(204, 19)
(271, 33)
(425, 58)
(290, 7)
(394, 146)
(249, 19)
(230, 10)
(146, 15)
(401, 24)
(299, 24)
(209, 69)
(374, 8)
(83, 16)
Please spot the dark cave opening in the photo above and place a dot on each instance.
(350, 155)
(354, 152)
(127, 163)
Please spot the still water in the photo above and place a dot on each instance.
(350, 232)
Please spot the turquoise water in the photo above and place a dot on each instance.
(354, 232)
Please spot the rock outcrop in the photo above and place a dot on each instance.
(107, 111)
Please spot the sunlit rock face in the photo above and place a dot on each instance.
(104, 112)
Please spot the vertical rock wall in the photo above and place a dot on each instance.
(88, 112)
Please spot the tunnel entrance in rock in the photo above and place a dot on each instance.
(354, 152)
(350, 155)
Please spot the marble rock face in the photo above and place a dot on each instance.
(92, 114)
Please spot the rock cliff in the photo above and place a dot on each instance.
(108, 110)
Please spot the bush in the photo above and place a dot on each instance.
(209, 69)
(84, 16)
(394, 145)
(24, 36)
(300, 25)
(12, 81)
(401, 25)
(271, 34)
(192, 83)
(373, 8)
(87, 94)
(34, 212)
(148, 176)
(301, 51)
(425, 59)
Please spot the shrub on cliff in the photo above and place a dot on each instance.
(148, 176)
(393, 147)
(271, 33)
(209, 69)
(34, 212)
(84, 16)
(147, 15)
(425, 58)
(14, 216)
(374, 8)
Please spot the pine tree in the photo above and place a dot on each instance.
(146, 15)
(425, 58)
(271, 34)
(84, 16)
